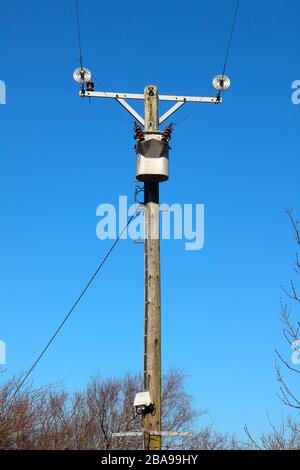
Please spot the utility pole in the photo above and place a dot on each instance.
(152, 168)
(152, 340)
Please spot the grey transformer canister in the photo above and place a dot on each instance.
(152, 155)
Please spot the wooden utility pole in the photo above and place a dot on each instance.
(152, 339)
(150, 175)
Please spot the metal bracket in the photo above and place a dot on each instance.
(109, 94)
(137, 191)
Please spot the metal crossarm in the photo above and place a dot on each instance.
(108, 94)
(137, 96)
(191, 99)
(151, 433)
(121, 97)
(133, 113)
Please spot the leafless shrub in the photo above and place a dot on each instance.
(284, 437)
(291, 325)
(49, 418)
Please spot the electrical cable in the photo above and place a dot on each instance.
(71, 310)
(112, 107)
(81, 63)
(231, 36)
(79, 35)
(235, 16)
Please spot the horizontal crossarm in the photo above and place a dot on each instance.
(136, 96)
(151, 433)
(121, 97)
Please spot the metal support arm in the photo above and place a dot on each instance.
(120, 97)
(171, 111)
(131, 111)
(136, 96)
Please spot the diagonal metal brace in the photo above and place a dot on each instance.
(131, 111)
(151, 433)
(171, 111)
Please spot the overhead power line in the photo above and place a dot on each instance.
(231, 36)
(152, 156)
(71, 310)
(79, 34)
(234, 21)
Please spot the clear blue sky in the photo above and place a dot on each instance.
(61, 157)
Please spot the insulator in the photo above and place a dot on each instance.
(167, 133)
(90, 86)
(139, 134)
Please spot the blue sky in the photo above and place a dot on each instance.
(61, 157)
